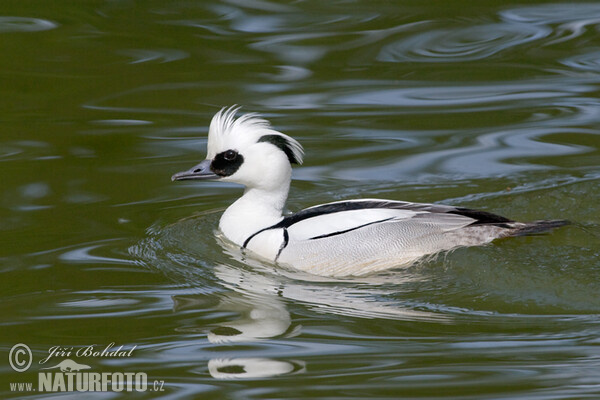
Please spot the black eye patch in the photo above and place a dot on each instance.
(226, 163)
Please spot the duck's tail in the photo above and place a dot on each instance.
(537, 227)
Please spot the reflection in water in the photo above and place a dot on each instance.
(251, 368)
(264, 313)
(261, 316)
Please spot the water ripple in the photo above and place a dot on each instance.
(573, 19)
(98, 303)
(122, 122)
(81, 255)
(490, 152)
(459, 96)
(163, 56)
(25, 24)
(553, 13)
(463, 44)
(26, 149)
(586, 62)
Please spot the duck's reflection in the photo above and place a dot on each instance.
(251, 368)
(258, 294)
(261, 312)
(263, 317)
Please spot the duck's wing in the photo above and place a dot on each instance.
(345, 216)
(363, 236)
(360, 227)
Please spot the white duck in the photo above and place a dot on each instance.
(351, 237)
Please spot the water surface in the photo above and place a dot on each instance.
(485, 106)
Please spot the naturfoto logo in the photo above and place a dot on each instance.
(68, 375)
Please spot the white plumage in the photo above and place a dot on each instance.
(353, 237)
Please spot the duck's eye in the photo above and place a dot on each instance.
(230, 155)
(226, 163)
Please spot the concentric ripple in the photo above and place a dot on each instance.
(468, 43)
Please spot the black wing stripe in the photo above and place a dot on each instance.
(481, 217)
(346, 206)
(349, 230)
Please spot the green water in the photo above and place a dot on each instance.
(477, 104)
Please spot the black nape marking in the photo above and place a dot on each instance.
(226, 163)
(283, 144)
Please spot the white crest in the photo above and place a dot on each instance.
(228, 132)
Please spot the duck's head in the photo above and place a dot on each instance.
(245, 150)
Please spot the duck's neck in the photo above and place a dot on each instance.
(255, 210)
